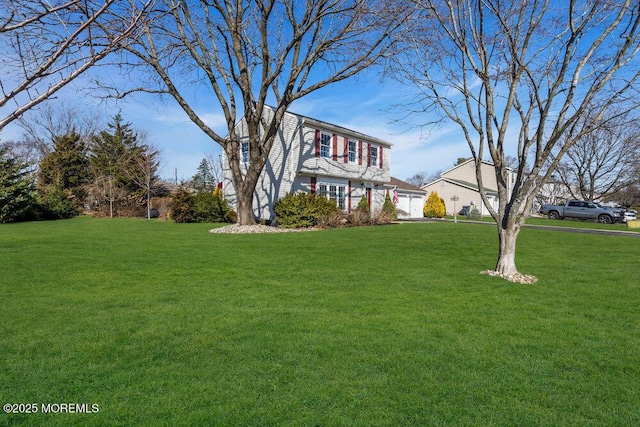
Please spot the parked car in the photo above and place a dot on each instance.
(629, 216)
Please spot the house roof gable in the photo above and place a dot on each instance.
(335, 128)
(341, 130)
(485, 162)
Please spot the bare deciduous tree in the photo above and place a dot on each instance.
(419, 179)
(216, 166)
(142, 168)
(44, 124)
(522, 73)
(599, 165)
(47, 44)
(251, 54)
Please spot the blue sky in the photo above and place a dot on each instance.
(362, 103)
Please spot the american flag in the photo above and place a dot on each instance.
(395, 195)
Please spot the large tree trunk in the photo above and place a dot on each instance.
(507, 236)
(508, 231)
(244, 204)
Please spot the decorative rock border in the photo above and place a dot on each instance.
(524, 279)
(256, 229)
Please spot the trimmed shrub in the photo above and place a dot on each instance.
(203, 206)
(305, 210)
(363, 208)
(360, 215)
(210, 206)
(434, 206)
(388, 212)
(474, 214)
(182, 209)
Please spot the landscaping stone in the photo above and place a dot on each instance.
(524, 279)
(256, 229)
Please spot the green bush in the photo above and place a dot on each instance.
(434, 207)
(305, 210)
(182, 206)
(203, 206)
(56, 203)
(474, 214)
(363, 208)
(388, 212)
(232, 216)
(210, 207)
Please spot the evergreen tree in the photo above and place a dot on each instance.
(113, 155)
(66, 168)
(204, 180)
(363, 211)
(17, 190)
(389, 212)
(111, 149)
(434, 206)
(182, 206)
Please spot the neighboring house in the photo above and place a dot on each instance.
(409, 199)
(552, 192)
(460, 181)
(314, 156)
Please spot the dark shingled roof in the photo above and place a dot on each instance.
(404, 185)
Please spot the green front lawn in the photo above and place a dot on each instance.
(166, 324)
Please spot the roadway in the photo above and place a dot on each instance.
(540, 227)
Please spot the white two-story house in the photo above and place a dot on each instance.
(314, 156)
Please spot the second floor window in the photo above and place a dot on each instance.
(352, 151)
(373, 161)
(325, 145)
(244, 152)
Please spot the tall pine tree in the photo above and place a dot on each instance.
(17, 190)
(204, 180)
(112, 151)
(67, 166)
(124, 170)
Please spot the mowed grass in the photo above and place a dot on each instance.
(166, 324)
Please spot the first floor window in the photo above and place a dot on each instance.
(341, 198)
(322, 190)
(335, 193)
